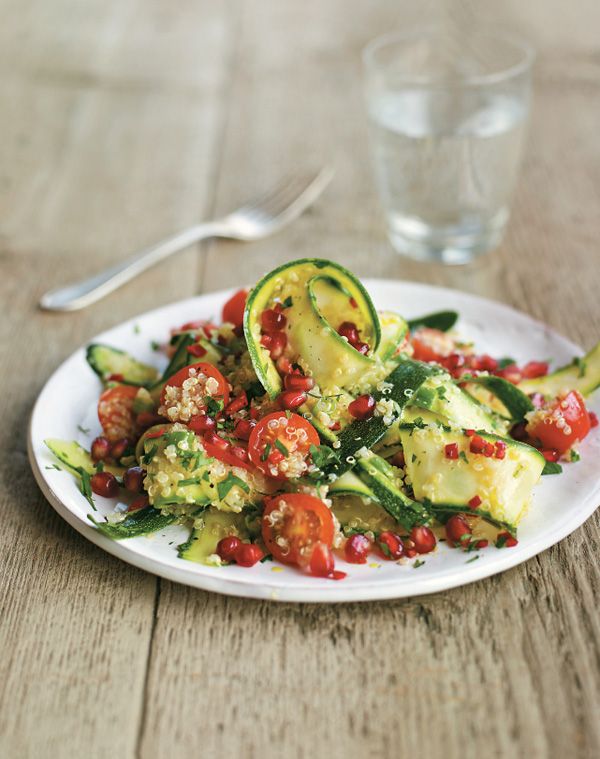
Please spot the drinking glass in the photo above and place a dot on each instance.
(447, 119)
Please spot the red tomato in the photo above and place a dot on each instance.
(560, 423)
(208, 370)
(233, 310)
(218, 448)
(115, 412)
(279, 444)
(431, 345)
(293, 524)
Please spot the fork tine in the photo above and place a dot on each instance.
(295, 191)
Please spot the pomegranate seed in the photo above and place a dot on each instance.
(477, 444)
(353, 303)
(390, 545)
(363, 407)
(228, 547)
(237, 404)
(456, 527)
(506, 540)
(272, 320)
(511, 373)
(335, 426)
(118, 449)
(337, 575)
(534, 369)
(276, 344)
(349, 330)
(519, 431)
(475, 502)
(248, 554)
(399, 460)
(139, 503)
(100, 449)
(482, 543)
(483, 363)
(423, 538)
(361, 348)
(202, 423)
(451, 451)
(133, 479)
(190, 326)
(357, 549)
(104, 484)
(321, 561)
(197, 350)
(254, 413)
(469, 433)
(454, 361)
(115, 378)
(488, 449)
(593, 419)
(410, 553)
(240, 452)
(284, 365)
(551, 455)
(298, 382)
(291, 399)
(500, 449)
(243, 428)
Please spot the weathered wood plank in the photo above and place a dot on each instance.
(110, 125)
(505, 666)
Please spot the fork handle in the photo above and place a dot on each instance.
(87, 291)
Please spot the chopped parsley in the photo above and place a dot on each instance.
(54, 466)
(83, 429)
(287, 302)
(418, 563)
(86, 487)
(574, 455)
(154, 345)
(462, 455)
(473, 558)
(581, 365)
(265, 454)
(506, 361)
(230, 481)
(281, 448)
(323, 456)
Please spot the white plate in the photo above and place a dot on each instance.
(561, 503)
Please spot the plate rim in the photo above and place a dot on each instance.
(368, 591)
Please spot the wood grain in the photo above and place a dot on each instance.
(124, 121)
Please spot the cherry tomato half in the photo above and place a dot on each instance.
(560, 423)
(293, 524)
(233, 310)
(280, 443)
(115, 412)
(203, 372)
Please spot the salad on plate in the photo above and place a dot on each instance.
(308, 426)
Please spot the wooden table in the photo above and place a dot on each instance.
(125, 120)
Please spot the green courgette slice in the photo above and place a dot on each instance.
(107, 361)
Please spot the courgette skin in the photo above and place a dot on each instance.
(142, 522)
(75, 458)
(305, 270)
(106, 360)
(405, 380)
(512, 398)
(376, 473)
(442, 320)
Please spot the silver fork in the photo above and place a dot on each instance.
(254, 220)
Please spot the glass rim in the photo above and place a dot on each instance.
(525, 48)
